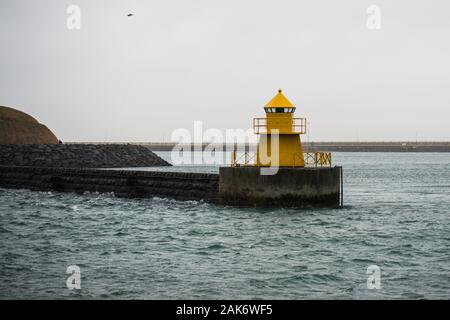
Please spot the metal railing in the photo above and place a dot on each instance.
(244, 159)
(316, 159)
(296, 125)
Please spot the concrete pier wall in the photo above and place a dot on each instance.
(242, 186)
(290, 187)
(182, 186)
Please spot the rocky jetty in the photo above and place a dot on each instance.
(79, 156)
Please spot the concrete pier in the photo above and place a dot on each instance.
(290, 187)
(123, 183)
(239, 186)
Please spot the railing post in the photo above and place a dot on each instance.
(234, 153)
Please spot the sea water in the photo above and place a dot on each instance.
(396, 219)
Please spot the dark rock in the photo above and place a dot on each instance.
(134, 184)
(79, 156)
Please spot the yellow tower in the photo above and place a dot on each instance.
(279, 131)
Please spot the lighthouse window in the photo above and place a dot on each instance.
(279, 110)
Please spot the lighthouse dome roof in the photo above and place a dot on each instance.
(279, 101)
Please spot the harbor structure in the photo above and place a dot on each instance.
(281, 174)
(295, 178)
(279, 124)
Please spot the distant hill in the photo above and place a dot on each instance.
(17, 127)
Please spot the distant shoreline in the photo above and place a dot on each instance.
(400, 146)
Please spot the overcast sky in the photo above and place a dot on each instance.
(138, 78)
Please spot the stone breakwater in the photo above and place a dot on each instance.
(78, 168)
(123, 183)
(79, 156)
(233, 186)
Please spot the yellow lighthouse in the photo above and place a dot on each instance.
(279, 135)
(295, 178)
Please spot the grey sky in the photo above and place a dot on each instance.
(138, 78)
